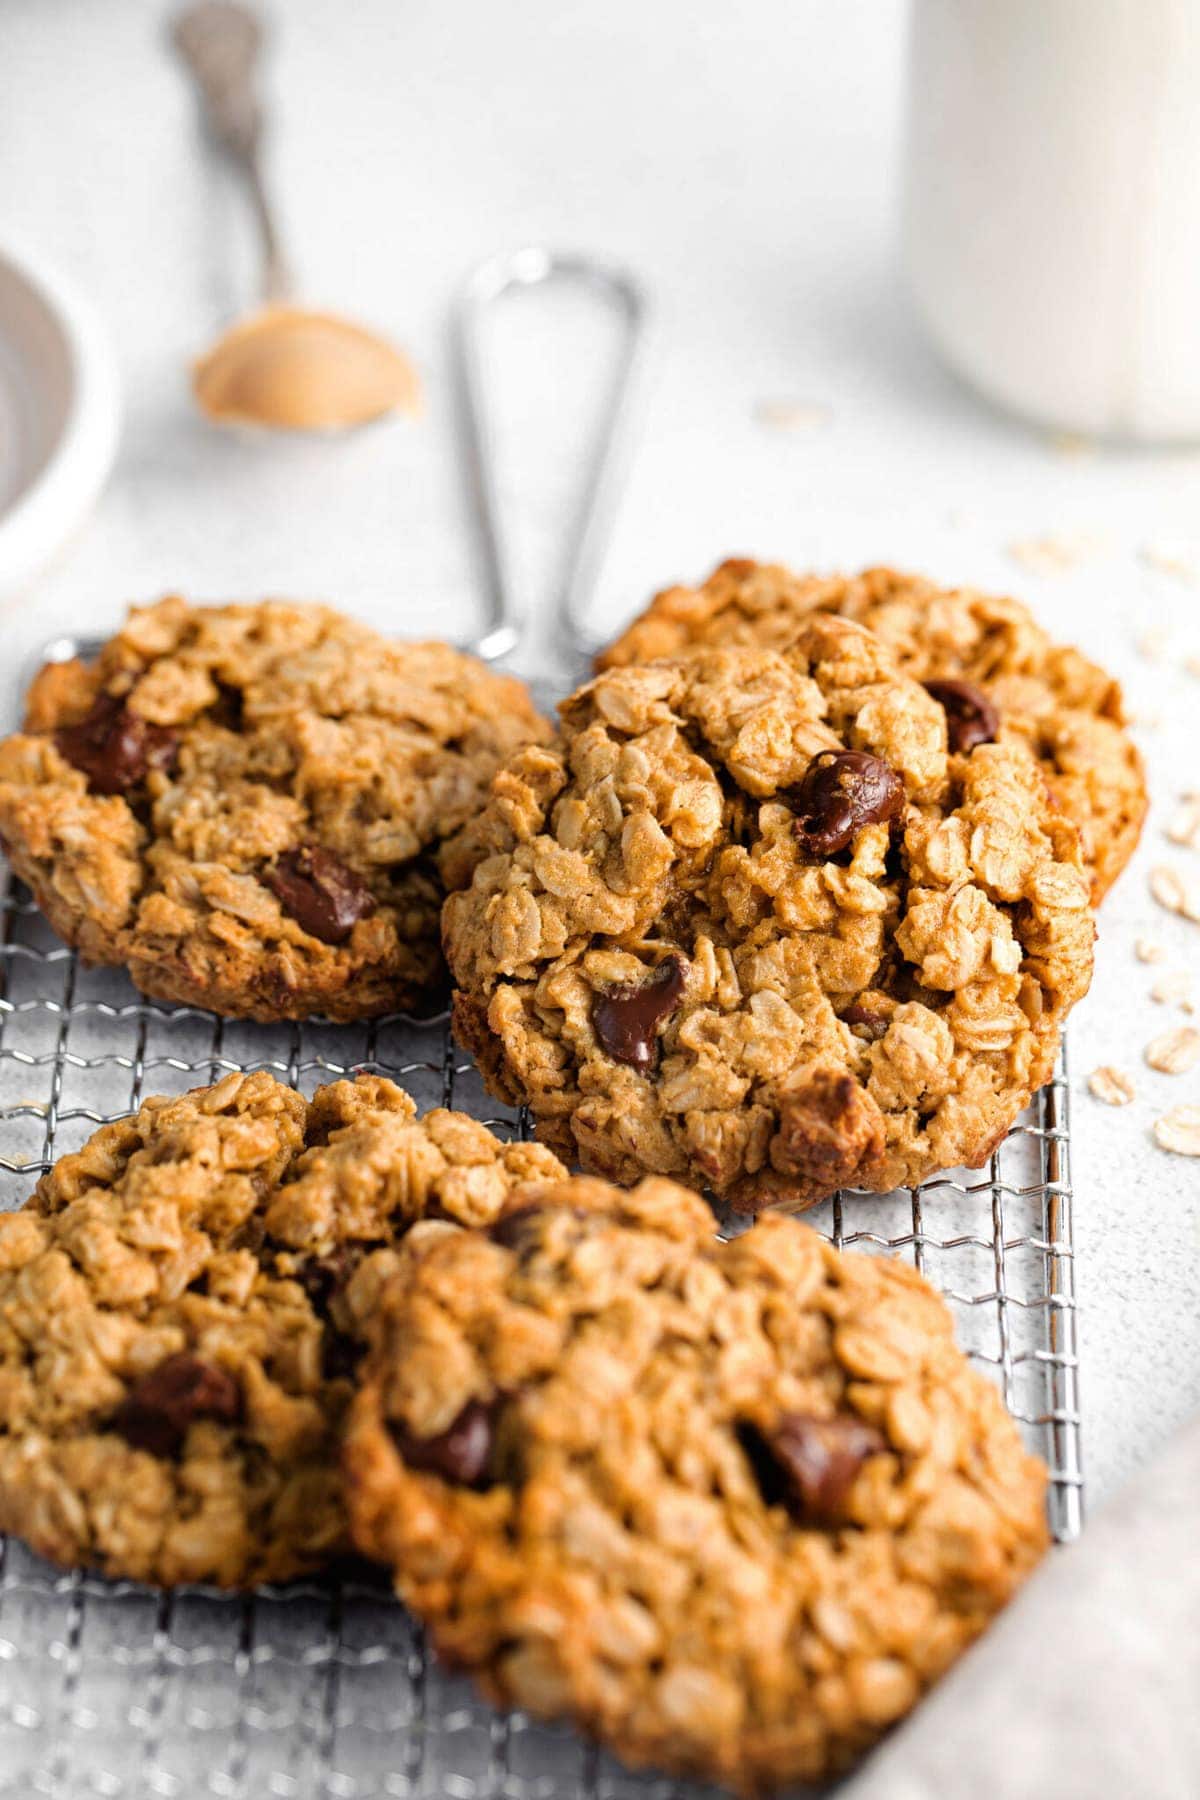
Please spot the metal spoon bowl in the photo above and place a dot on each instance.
(282, 367)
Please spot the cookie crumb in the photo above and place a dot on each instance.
(1175, 1052)
(1147, 951)
(1152, 644)
(1179, 1131)
(1174, 893)
(1111, 1085)
(1192, 665)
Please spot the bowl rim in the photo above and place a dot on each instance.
(51, 506)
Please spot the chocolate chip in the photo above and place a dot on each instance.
(808, 1465)
(971, 718)
(626, 1019)
(115, 747)
(874, 1022)
(323, 896)
(862, 1015)
(842, 791)
(340, 1354)
(515, 1229)
(460, 1454)
(156, 1412)
(518, 1229)
(322, 1277)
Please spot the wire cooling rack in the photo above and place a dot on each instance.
(323, 1690)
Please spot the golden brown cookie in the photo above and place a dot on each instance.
(1044, 694)
(747, 923)
(181, 1304)
(731, 1507)
(250, 806)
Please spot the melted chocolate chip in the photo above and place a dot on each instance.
(156, 1412)
(460, 1454)
(842, 791)
(808, 1465)
(971, 718)
(115, 747)
(323, 896)
(626, 1019)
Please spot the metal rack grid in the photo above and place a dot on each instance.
(323, 1690)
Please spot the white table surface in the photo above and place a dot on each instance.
(744, 161)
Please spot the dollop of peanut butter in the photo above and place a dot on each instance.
(293, 370)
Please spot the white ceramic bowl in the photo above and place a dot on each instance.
(59, 414)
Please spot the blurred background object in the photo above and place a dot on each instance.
(283, 367)
(1052, 206)
(59, 413)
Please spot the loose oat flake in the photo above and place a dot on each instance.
(1152, 644)
(1056, 551)
(793, 415)
(1111, 1085)
(1174, 556)
(1185, 826)
(1176, 1051)
(1072, 444)
(1147, 951)
(1179, 1130)
(1173, 989)
(1175, 893)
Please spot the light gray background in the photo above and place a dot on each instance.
(745, 161)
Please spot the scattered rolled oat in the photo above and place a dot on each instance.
(1174, 557)
(1173, 989)
(1176, 1051)
(1111, 1085)
(1176, 894)
(1057, 551)
(1152, 644)
(1179, 1130)
(1185, 826)
(793, 415)
(1147, 951)
(1071, 444)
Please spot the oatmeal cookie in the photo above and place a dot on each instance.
(181, 1304)
(1033, 690)
(729, 1506)
(249, 806)
(746, 922)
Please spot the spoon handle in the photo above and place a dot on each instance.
(219, 41)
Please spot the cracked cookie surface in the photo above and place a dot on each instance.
(745, 922)
(250, 807)
(181, 1303)
(1047, 695)
(729, 1506)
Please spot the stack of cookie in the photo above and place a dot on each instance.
(796, 896)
